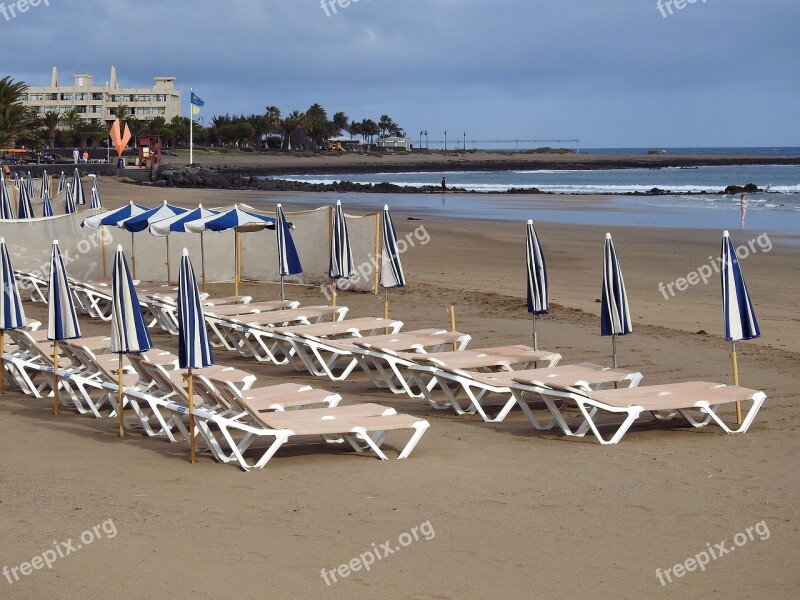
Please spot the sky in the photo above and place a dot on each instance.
(614, 73)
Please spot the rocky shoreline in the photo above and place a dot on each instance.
(227, 179)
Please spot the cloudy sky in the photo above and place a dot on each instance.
(616, 73)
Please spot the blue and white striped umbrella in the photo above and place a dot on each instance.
(95, 201)
(240, 221)
(24, 208)
(128, 330)
(29, 184)
(615, 316)
(62, 183)
(538, 290)
(737, 309)
(6, 210)
(77, 188)
(288, 259)
(391, 270)
(12, 315)
(194, 349)
(177, 224)
(62, 322)
(142, 221)
(113, 217)
(47, 206)
(69, 201)
(341, 259)
(45, 185)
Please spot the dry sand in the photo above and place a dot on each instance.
(516, 513)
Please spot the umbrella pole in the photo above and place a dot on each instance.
(377, 252)
(169, 279)
(535, 339)
(235, 263)
(103, 247)
(386, 308)
(283, 293)
(119, 398)
(2, 362)
(614, 349)
(736, 381)
(133, 257)
(453, 321)
(55, 377)
(203, 260)
(192, 451)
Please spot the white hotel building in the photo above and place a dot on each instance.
(98, 103)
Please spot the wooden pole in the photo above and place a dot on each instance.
(55, 377)
(120, 401)
(376, 262)
(169, 278)
(386, 308)
(614, 349)
(236, 263)
(103, 247)
(203, 260)
(192, 450)
(535, 339)
(453, 321)
(133, 257)
(736, 382)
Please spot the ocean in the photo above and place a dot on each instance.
(696, 200)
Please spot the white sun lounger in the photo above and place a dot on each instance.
(682, 399)
(375, 358)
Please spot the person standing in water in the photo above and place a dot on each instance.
(444, 184)
(743, 204)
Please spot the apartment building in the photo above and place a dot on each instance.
(99, 103)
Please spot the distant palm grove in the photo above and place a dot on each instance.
(20, 125)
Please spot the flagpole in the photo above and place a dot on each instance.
(191, 128)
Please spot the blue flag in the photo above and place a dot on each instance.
(196, 100)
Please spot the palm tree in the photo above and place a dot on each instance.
(369, 128)
(317, 124)
(15, 119)
(50, 122)
(355, 129)
(296, 120)
(385, 124)
(341, 121)
(180, 129)
(72, 119)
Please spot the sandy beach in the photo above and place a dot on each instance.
(506, 512)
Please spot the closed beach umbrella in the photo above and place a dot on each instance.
(12, 315)
(69, 201)
(95, 201)
(77, 188)
(391, 273)
(341, 259)
(288, 260)
(615, 316)
(24, 208)
(142, 221)
(128, 329)
(44, 185)
(62, 322)
(29, 184)
(240, 221)
(177, 224)
(62, 183)
(47, 206)
(739, 317)
(194, 349)
(6, 211)
(538, 291)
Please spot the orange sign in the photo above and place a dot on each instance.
(120, 141)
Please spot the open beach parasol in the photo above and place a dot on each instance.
(194, 349)
(288, 260)
(12, 315)
(538, 291)
(739, 317)
(128, 330)
(391, 273)
(111, 218)
(615, 316)
(62, 322)
(142, 221)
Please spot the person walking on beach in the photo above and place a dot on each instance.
(444, 184)
(743, 205)
(75, 156)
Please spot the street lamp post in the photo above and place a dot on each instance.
(445, 140)
(36, 134)
(465, 142)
